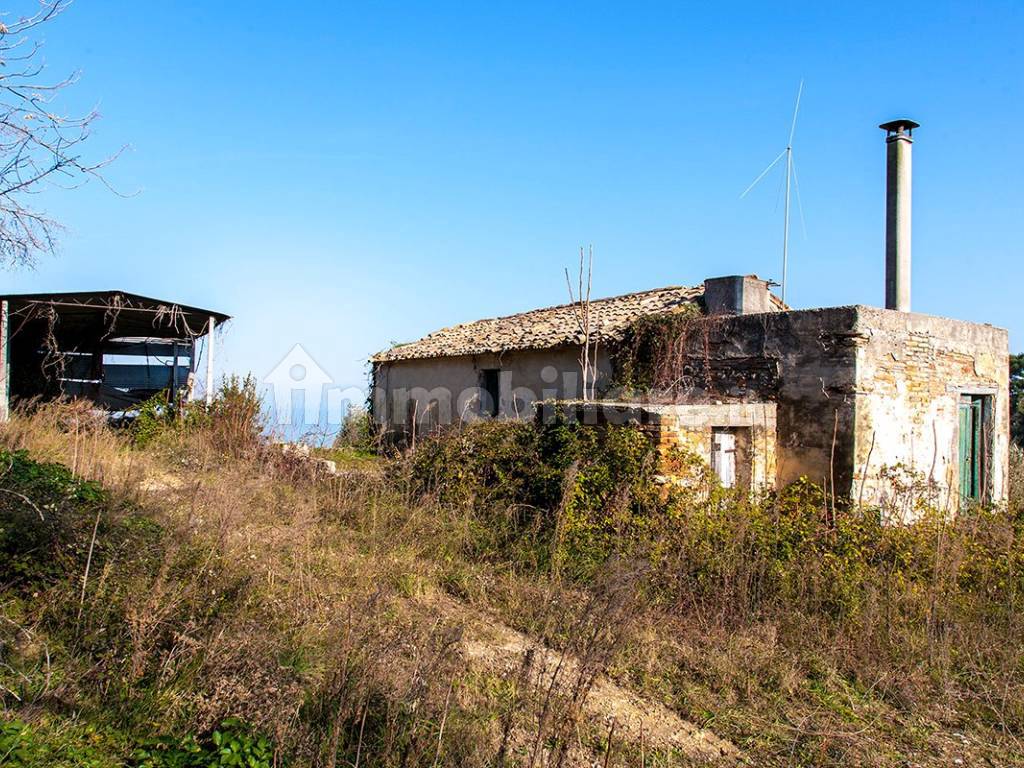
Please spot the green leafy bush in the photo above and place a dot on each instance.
(233, 420)
(154, 417)
(44, 510)
(1017, 398)
(57, 744)
(16, 745)
(563, 492)
(74, 746)
(233, 744)
(356, 430)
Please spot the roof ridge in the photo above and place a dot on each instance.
(566, 305)
(541, 327)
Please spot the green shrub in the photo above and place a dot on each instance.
(154, 417)
(356, 430)
(46, 514)
(233, 420)
(60, 744)
(71, 746)
(16, 744)
(1017, 399)
(564, 493)
(233, 744)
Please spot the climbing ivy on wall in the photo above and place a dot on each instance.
(654, 349)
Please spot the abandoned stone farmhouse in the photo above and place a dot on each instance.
(855, 398)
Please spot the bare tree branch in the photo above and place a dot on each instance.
(581, 312)
(39, 147)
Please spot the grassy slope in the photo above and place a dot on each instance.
(328, 614)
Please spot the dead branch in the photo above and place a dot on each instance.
(580, 305)
(39, 146)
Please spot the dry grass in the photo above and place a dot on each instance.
(335, 613)
(307, 606)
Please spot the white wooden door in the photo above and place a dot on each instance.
(723, 456)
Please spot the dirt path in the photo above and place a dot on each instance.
(493, 645)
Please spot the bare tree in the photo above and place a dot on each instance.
(38, 145)
(581, 311)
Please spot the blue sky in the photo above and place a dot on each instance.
(347, 175)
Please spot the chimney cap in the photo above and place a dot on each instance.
(900, 125)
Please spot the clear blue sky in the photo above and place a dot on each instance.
(345, 175)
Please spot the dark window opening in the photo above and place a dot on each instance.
(490, 382)
(975, 415)
(412, 414)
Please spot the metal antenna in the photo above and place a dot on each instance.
(787, 153)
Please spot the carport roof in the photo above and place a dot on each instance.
(123, 314)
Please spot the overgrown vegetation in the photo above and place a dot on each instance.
(652, 351)
(939, 600)
(236, 607)
(233, 422)
(561, 494)
(356, 430)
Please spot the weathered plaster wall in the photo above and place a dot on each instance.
(911, 371)
(448, 390)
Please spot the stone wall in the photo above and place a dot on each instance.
(845, 378)
(690, 427)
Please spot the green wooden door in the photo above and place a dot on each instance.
(970, 446)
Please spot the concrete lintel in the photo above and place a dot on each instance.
(724, 414)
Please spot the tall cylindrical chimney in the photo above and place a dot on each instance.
(898, 142)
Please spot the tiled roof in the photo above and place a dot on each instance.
(544, 328)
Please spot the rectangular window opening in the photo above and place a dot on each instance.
(723, 455)
(732, 456)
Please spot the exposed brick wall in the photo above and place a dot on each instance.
(688, 427)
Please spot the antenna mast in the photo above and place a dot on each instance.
(787, 153)
(789, 174)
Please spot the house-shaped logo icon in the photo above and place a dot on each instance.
(297, 372)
